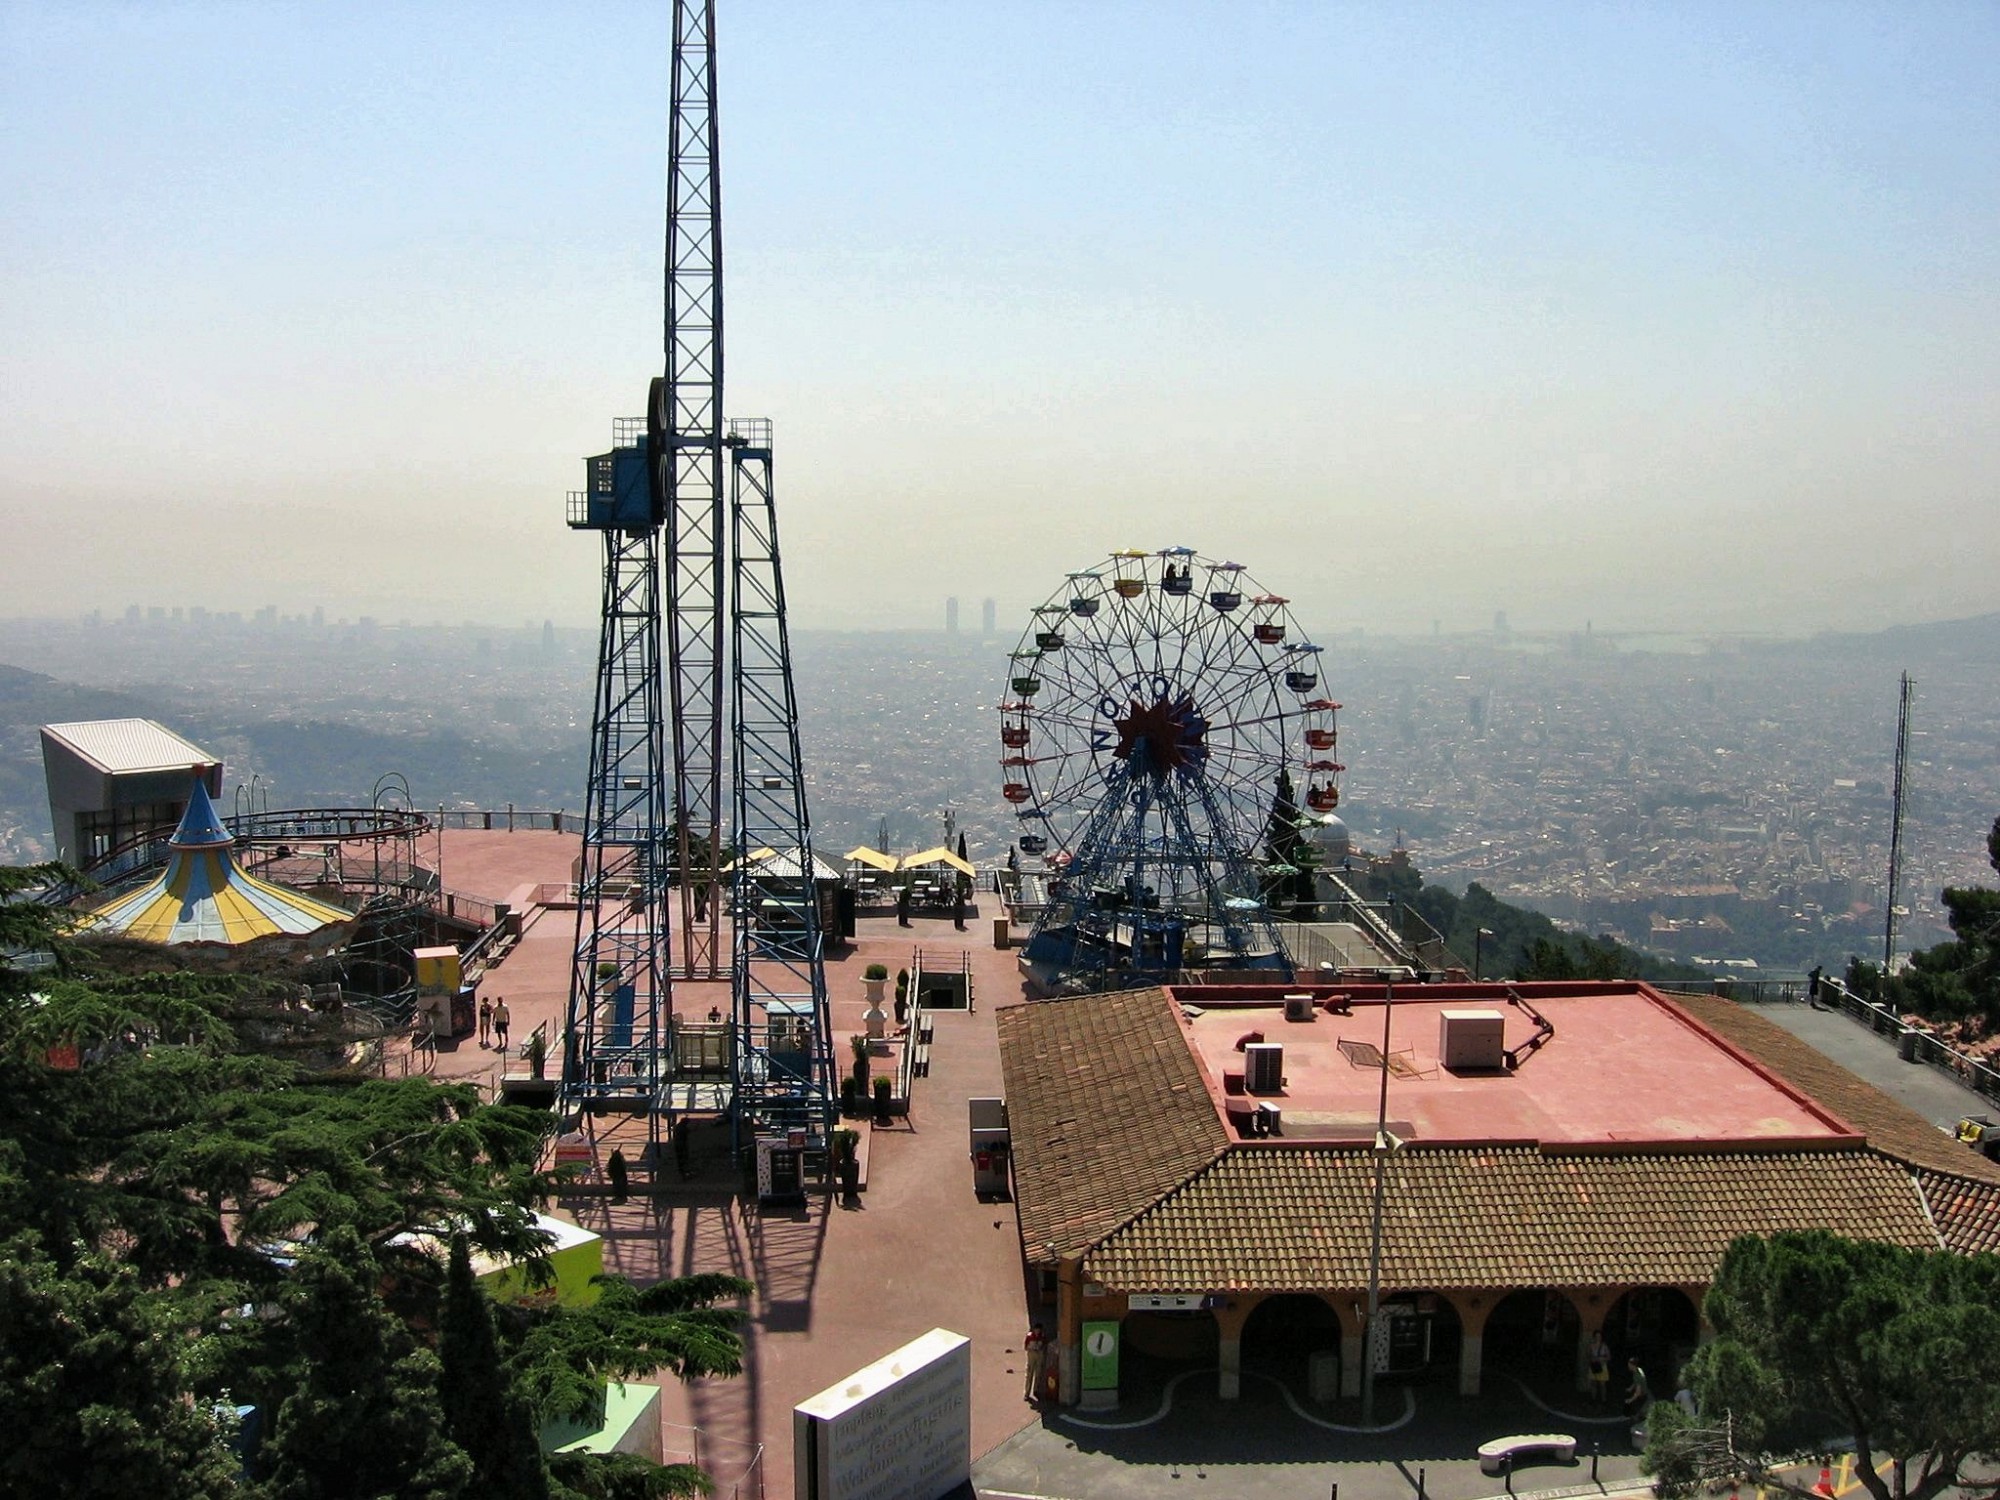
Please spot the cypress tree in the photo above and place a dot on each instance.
(482, 1412)
(364, 1418)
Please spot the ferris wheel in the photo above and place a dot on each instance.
(1159, 708)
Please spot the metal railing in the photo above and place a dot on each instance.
(736, 1467)
(509, 818)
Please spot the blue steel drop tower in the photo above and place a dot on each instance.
(653, 820)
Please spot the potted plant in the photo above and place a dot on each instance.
(850, 1097)
(860, 1045)
(884, 1090)
(620, 1177)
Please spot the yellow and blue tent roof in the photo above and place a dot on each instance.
(204, 897)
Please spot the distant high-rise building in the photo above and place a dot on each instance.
(319, 617)
(132, 614)
(548, 637)
(989, 617)
(951, 615)
(1500, 623)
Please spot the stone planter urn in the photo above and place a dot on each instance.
(875, 1019)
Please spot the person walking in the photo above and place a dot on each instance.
(500, 1019)
(1035, 1347)
(1638, 1395)
(485, 1020)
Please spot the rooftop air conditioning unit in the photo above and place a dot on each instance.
(1298, 1007)
(1472, 1040)
(1270, 1118)
(1264, 1067)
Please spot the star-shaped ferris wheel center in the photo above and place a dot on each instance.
(1162, 737)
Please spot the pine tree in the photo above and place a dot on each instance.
(93, 1399)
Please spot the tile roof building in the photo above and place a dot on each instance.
(1582, 1170)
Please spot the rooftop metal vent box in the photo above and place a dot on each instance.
(1472, 1040)
(1264, 1067)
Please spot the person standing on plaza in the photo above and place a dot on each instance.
(485, 1020)
(500, 1019)
(1036, 1350)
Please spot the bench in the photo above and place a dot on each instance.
(1504, 1454)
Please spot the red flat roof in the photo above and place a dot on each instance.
(1623, 1066)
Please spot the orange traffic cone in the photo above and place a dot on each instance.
(1825, 1485)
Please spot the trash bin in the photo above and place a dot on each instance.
(1323, 1374)
(1002, 933)
(1906, 1044)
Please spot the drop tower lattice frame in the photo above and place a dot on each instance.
(620, 1008)
(692, 463)
(783, 1041)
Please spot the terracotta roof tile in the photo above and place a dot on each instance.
(1107, 1109)
(1967, 1213)
(1890, 1126)
(1267, 1217)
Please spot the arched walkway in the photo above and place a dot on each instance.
(1155, 1347)
(1532, 1335)
(1423, 1334)
(1284, 1332)
(1657, 1325)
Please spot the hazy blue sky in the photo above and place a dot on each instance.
(1648, 314)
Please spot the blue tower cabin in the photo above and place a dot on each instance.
(621, 490)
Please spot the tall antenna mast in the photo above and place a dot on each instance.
(1896, 822)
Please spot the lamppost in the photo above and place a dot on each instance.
(1479, 938)
(1371, 1333)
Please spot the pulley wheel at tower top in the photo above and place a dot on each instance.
(1176, 665)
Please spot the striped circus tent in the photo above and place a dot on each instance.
(203, 897)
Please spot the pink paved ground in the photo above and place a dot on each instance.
(1584, 1086)
(837, 1288)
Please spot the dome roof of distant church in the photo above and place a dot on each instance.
(1332, 838)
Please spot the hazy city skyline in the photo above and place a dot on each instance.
(1646, 317)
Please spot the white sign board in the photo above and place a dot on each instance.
(900, 1429)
